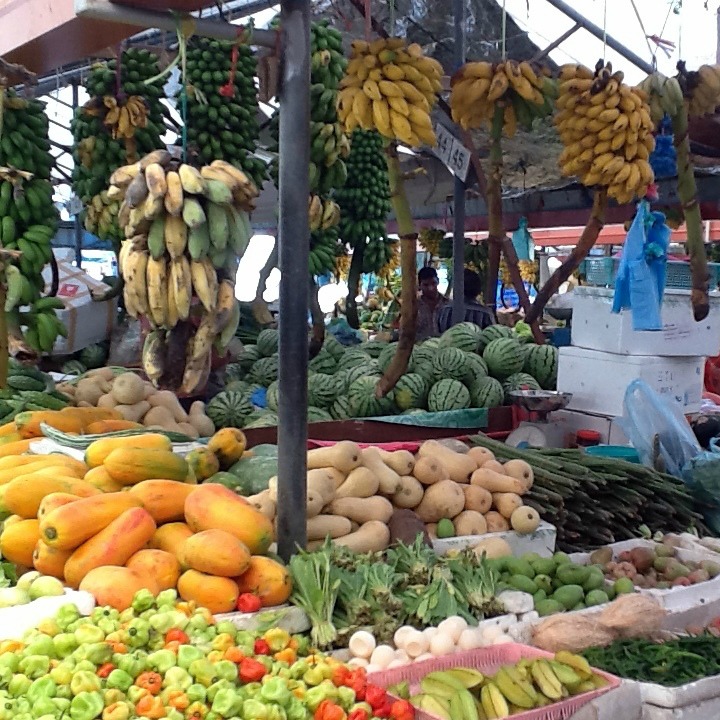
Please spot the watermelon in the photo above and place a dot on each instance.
(487, 392)
(74, 367)
(261, 419)
(427, 373)
(519, 381)
(374, 348)
(422, 354)
(272, 396)
(494, 332)
(324, 363)
(234, 371)
(340, 409)
(333, 346)
(411, 391)
(342, 381)
(432, 343)
(93, 356)
(267, 342)
(370, 369)
(464, 336)
(316, 414)
(229, 409)
(362, 400)
(541, 362)
(249, 357)
(322, 390)
(387, 355)
(503, 357)
(264, 371)
(351, 358)
(448, 394)
(475, 367)
(449, 363)
(239, 386)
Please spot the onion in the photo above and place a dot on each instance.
(382, 656)
(416, 644)
(453, 626)
(362, 644)
(401, 634)
(441, 644)
(469, 639)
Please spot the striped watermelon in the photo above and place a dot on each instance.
(229, 409)
(541, 362)
(264, 371)
(353, 357)
(322, 390)
(341, 381)
(272, 396)
(238, 386)
(487, 392)
(363, 402)
(323, 362)
(249, 357)
(449, 363)
(411, 391)
(267, 342)
(370, 368)
(374, 348)
(386, 356)
(333, 346)
(423, 353)
(432, 343)
(464, 336)
(234, 371)
(340, 409)
(448, 394)
(494, 332)
(475, 367)
(503, 357)
(427, 372)
(519, 381)
(316, 414)
(264, 418)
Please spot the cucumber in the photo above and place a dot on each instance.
(25, 382)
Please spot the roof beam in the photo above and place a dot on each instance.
(556, 43)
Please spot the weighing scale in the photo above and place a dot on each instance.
(538, 432)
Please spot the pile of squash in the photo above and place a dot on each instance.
(131, 516)
(353, 492)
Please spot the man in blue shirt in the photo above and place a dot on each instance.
(475, 312)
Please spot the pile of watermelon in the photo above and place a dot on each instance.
(464, 368)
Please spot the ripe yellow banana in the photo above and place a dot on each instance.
(157, 292)
(181, 282)
(191, 180)
(205, 284)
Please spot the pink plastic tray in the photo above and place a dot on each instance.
(487, 661)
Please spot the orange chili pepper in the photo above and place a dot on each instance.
(176, 699)
(287, 655)
(118, 647)
(293, 644)
(173, 646)
(150, 707)
(234, 654)
(196, 711)
(150, 681)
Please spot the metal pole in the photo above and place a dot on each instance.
(610, 41)
(77, 224)
(458, 309)
(294, 243)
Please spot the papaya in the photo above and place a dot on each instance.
(114, 545)
(203, 463)
(163, 499)
(54, 500)
(216, 552)
(98, 451)
(129, 465)
(49, 560)
(100, 427)
(69, 526)
(161, 566)
(116, 586)
(267, 579)
(217, 594)
(28, 423)
(11, 520)
(171, 538)
(90, 415)
(214, 507)
(58, 466)
(228, 444)
(99, 477)
(7, 439)
(18, 541)
(9, 428)
(15, 448)
(24, 494)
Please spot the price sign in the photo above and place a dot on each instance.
(454, 155)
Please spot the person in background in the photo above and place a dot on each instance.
(430, 304)
(475, 312)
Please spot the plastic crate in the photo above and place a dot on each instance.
(602, 271)
(678, 275)
(488, 661)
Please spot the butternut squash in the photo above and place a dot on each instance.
(18, 541)
(117, 586)
(373, 536)
(496, 483)
(401, 461)
(114, 545)
(69, 526)
(360, 483)
(322, 526)
(470, 522)
(459, 466)
(410, 493)
(217, 594)
(361, 510)
(480, 455)
(54, 500)
(171, 538)
(267, 579)
(495, 466)
(315, 503)
(228, 444)
(23, 495)
(496, 522)
(163, 499)
(477, 498)
(49, 560)
(28, 423)
(216, 552)
(163, 567)
(100, 478)
(264, 503)
(97, 452)
(389, 480)
(429, 471)
(506, 503)
(337, 476)
(133, 465)
(345, 456)
(320, 480)
(444, 499)
(521, 470)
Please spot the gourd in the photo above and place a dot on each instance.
(117, 586)
(360, 483)
(496, 483)
(267, 579)
(429, 471)
(216, 552)
(362, 510)
(163, 499)
(460, 467)
(217, 594)
(410, 493)
(18, 541)
(129, 465)
(114, 545)
(373, 536)
(401, 461)
(345, 456)
(163, 567)
(389, 480)
(444, 499)
(228, 444)
(322, 526)
(98, 451)
(23, 495)
(128, 389)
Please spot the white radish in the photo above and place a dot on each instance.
(402, 655)
(430, 632)
(362, 644)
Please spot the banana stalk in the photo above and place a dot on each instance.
(587, 239)
(354, 274)
(408, 294)
(687, 191)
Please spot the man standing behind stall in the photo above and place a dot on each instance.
(475, 312)
(430, 304)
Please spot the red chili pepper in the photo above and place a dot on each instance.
(261, 647)
(358, 683)
(402, 710)
(359, 714)
(177, 635)
(384, 710)
(327, 710)
(248, 603)
(104, 670)
(376, 697)
(251, 670)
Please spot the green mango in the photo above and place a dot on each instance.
(569, 595)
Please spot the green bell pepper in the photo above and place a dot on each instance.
(177, 678)
(113, 695)
(225, 626)
(138, 633)
(314, 696)
(133, 663)
(275, 690)
(9, 660)
(42, 688)
(167, 598)
(203, 671)
(295, 710)
(164, 621)
(119, 679)
(161, 660)
(66, 615)
(245, 640)
(216, 687)
(86, 706)
(7, 710)
(84, 665)
(254, 710)
(173, 714)
(97, 653)
(62, 704)
(345, 698)
(226, 670)
(44, 706)
(187, 654)
(85, 682)
(227, 702)
(143, 600)
(89, 634)
(64, 644)
(42, 645)
(19, 685)
(196, 693)
(61, 674)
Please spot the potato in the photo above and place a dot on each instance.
(470, 522)
(444, 499)
(477, 498)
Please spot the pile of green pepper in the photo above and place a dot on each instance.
(672, 663)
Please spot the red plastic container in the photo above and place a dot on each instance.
(487, 661)
(183, 6)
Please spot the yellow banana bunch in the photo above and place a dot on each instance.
(522, 90)
(390, 86)
(430, 238)
(528, 271)
(701, 88)
(606, 128)
(342, 266)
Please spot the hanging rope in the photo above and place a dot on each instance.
(504, 28)
(642, 27)
(604, 29)
(391, 21)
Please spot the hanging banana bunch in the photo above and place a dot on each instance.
(122, 121)
(430, 240)
(524, 92)
(186, 231)
(390, 87)
(664, 96)
(28, 220)
(606, 128)
(701, 87)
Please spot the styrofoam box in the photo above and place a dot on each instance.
(542, 541)
(596, 327)
(16, 620)
(598, 380)
(287, 617)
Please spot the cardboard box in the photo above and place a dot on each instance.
(87, 321)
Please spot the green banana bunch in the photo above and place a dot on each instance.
(96, 153)
(324, 249)
(222, 113)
